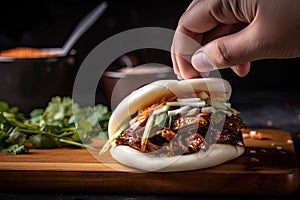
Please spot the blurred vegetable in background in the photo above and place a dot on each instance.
(62, 123)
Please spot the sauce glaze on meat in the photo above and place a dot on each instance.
(188, 134)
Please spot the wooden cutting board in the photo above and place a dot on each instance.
(268, 167)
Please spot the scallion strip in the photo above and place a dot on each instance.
(219, 105)
(203, 95)
(147, 131)
(188, 100)
(110, 141)
(232, 110)
(228, 105)
(182, 103)
(208, 109)
(181, 110)
(172, 103)
(228, 113)
(161, 110)
(195, 104)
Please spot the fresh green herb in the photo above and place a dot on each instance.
(160, 119)
(61, 123)
(170, 120)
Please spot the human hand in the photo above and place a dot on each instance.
(216, 34)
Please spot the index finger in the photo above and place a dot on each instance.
(196, 20)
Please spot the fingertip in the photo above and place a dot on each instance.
(190, 73)
(241, 70)
(186, 70)
(201, 62)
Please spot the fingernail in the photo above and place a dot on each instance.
(201, 63)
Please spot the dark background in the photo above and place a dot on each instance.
(268, 93)
(50, 23)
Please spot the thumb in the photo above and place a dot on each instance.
(227, 51)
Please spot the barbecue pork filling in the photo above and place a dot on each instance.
(187, 134)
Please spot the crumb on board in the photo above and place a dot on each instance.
(254, 160)
(283, 152)
(252, 132)
(252, 151)
(256, 135)
(246, 135)
(278, 147)
(289, 141)
(263, 150)
(273, 144)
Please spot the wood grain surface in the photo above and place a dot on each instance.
(268, 167)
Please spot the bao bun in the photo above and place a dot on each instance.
(146, 96)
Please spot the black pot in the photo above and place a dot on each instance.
(31, 83)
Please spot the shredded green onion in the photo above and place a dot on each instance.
(164, 116)
(186, 103)
(189, 100)
(181, 110)
(203, 95)
(110, 141)
(147, 131)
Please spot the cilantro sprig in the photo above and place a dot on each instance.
(62, 123)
